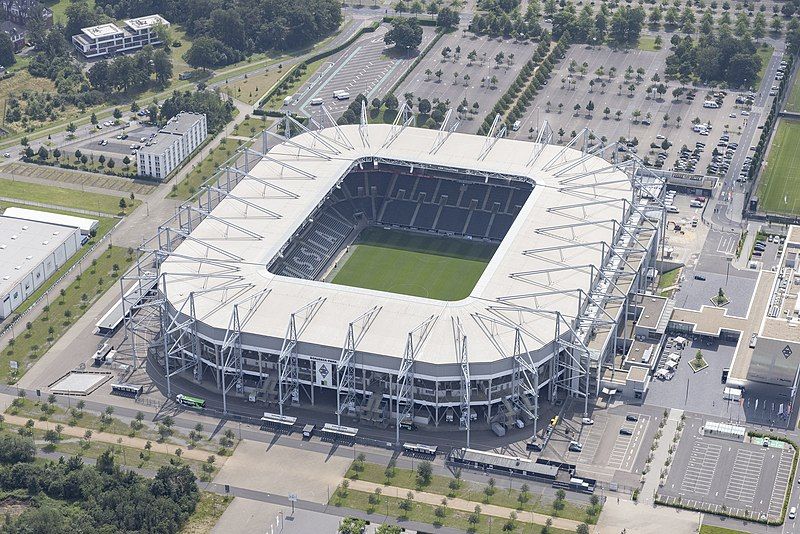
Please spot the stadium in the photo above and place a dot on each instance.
(405, 274)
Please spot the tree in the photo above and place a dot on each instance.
(117, 113)
(424, 473)
(16, 449)
(406, 33)
(43, 153)
(93, 118)
(447, 18)
(390, 102)
(424, 106)
(583, 528)
(6, 50)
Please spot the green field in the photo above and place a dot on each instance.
(412, 264)
(793, 101)
(779, 189)
(707, 529)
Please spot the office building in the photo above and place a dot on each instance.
(172, 144)
(109, 39)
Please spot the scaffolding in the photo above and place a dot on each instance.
(404, 402)
(288, 366)
(346, 368)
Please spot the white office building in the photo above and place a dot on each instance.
(109, 39)
(172, 144)
(30, 252)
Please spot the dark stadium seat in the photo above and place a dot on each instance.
(452, 220)
(479, 223)
(500, 226)
(398, 212)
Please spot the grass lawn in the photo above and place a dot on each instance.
(61, 196)
(708, 529)
(276, 102)
(59, 8)
(425, 513)
(779, 188)
(471, 491)
(765, 53)
(414, 264)
(208, 511)
(199, 175)
(668, 279)
(250, 89)
(793, 101)
(251, 126)
(648, 44)
(32, 343)
(123, 455)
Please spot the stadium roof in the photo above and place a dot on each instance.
(577, 200)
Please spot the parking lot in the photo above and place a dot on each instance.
(711, 473)
(475, 65)
(612, 447)
(616, 83)
(111, 144)
(367, 66)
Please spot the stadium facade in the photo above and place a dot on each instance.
(242, 307)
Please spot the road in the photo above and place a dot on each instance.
(730, 197)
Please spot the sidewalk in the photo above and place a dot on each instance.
(653, 476)
(113, 439)
(466, 506)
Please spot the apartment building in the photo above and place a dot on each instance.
(182, 134)
(109, 39)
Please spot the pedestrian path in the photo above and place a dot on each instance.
(114, 439)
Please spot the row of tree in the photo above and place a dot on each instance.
(232, 29)
(72, 497)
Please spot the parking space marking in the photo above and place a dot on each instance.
(701, 467)
(782, 480)
(626, 447)
(590, 439)
(745, 476)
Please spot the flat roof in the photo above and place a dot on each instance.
(181, 123)
(571, 188)
(85, 224)
(147, 21)
(102, 30)
(652, 309)
(24, 245)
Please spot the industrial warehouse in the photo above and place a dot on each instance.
(252, 307)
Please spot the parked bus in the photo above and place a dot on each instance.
(192, 402)
(127, 390)
(101, 353)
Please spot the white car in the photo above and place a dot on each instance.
(7, 155)
(793, 512)
(587, 421)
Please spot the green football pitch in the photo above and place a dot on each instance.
(413, 264)
(779, 190)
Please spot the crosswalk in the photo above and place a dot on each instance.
(700, 469)
(745, 476)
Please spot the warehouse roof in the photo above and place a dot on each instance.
(23, 246)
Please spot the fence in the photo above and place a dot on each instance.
(56, 207)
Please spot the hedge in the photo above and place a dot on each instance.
(422, 22)
(311, 59)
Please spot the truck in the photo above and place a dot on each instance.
(498, 429)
